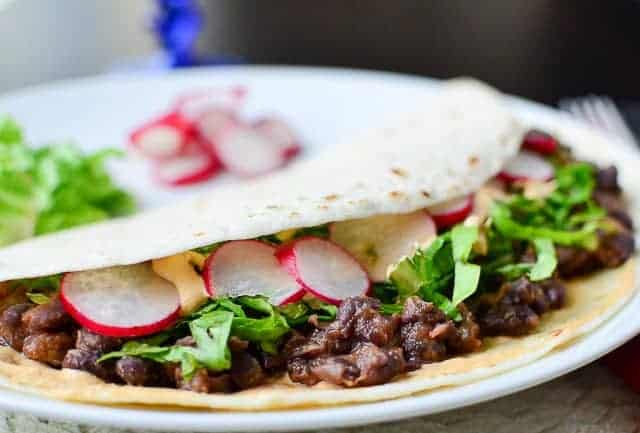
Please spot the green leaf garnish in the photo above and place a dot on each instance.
(546, 260)
(53, 187)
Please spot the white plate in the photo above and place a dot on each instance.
(322, 104)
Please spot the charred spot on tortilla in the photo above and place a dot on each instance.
(425, 194)
(473, 160)
(396, 194)
(399, 172)
(331, 197)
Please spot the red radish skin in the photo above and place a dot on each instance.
(167, 314)
(297, 256)
(249, 267)
(540, 142)
(451, 212)
(281, 133)
(164, 137)
(197, 166)
(527, 166)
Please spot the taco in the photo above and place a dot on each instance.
(443, 248)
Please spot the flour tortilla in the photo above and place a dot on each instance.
(449, 148)
(591, 301)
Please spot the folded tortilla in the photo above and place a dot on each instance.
(450, 148)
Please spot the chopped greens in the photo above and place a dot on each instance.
(38, 298)
(52, 188)
(39, 290)
(298, 313)
(251, 318)
(430, 272)
(546, 260)
(210, 332)
(568, 216)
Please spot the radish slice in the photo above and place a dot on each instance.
(249, 267)
(527, 166)
(164, 137)
(324, 269)
(540, 142)
(214, 123)
(246, 152)
(451, 212)
(121, 301)
(281, 133)
(379, 242)
(196, 166)
(193, 104)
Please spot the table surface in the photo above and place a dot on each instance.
(589, 400)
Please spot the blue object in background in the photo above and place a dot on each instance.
(177, 26)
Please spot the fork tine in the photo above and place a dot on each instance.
(601, 112)
(588, 107)
(615, 119)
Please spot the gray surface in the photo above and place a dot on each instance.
(588, 401)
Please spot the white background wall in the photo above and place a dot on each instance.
(43, 40)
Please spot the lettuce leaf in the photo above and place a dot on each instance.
(430, 272)
(53, 187)
(250, 318)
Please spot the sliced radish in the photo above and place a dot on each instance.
(247, 152)
(324, 269)
(527, 166)
(249, 267)
(214, 123)
(380, 241)
(193, 104)
(164, 137)
(451, 212)
(540, 142)
(121, 301)
(281, 133)
(196, 166)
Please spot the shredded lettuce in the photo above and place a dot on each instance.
(298, 313)
(52, 188)
(568, 216)
(250, 318)
(546, 260)
(431, 271)
(504, 221)
(210, 331)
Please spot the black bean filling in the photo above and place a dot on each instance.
(360, 347)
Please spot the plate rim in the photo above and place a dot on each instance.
(553, 365)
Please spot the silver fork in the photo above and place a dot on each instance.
(602, 113)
